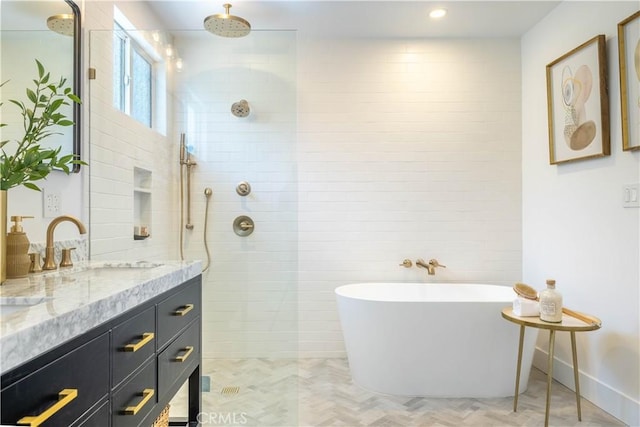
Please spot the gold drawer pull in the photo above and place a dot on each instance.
(64, 397)
(146, 337)
(132, 410)
(187, 308)
(184, 357)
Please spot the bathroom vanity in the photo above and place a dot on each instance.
(100, 344)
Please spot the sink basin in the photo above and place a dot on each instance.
(113, 270)
(10, 305)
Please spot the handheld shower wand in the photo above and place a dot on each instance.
(185, 160)
(183, 148)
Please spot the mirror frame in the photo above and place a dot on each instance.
(77, 82)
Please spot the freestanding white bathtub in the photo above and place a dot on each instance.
(438, 340)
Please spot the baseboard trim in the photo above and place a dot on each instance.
(606, 398)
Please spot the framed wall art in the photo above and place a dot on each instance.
(578, 103)
(629, 59)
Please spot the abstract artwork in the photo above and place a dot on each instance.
(578, 105)
(629, 59)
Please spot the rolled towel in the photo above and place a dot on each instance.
(525, 307)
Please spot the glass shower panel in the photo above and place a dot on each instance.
(250, 290)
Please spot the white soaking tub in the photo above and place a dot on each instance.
(438, 340)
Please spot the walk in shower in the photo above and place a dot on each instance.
(234, 99)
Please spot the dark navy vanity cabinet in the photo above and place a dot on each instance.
(119, 374)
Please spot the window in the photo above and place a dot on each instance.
(132, 77)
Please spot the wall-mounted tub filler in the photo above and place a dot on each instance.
(430, 266)
(240, 108)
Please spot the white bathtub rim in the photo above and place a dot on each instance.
(429, 292)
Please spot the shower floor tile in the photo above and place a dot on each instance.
(319, 392)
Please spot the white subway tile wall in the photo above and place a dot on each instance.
(406, 149)
(117, 145)
(250, 291)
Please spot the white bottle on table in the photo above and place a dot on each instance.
(551, 303)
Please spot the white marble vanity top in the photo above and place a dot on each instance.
(46, 309)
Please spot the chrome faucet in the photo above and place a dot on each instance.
(49, 255)
(430, 266)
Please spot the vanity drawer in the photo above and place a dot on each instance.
(132, 402)
(177, 357)
(100, 418)
(133, 342)
(61, 391)
(177, 311)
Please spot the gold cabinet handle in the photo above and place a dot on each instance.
(184, 357)
(64, 397)
(187, 308)
(147, 394)
(146, 338)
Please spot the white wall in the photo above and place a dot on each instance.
(250, 291)
(575, 229)
(407, 149)
(118, 144)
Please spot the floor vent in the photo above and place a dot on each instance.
(230, 390)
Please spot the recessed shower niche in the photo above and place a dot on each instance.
(141, 203)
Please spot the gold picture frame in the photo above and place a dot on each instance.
(578, 103)
(629, 60)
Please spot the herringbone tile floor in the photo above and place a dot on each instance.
(319, 392)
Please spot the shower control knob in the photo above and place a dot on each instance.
(243, 226)
(243, 189)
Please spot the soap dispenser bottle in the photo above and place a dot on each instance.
(18, 260)
(551, 303)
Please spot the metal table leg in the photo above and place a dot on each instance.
(552, 336)
(575, 373)
(515, 396)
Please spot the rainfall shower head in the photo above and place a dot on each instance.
(240, 108)
(61, 24)
(226, 25)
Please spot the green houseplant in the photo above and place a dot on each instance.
(31, 161)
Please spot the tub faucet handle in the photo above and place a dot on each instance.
(434, 262)
(406, 263)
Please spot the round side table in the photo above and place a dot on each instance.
(568, 323)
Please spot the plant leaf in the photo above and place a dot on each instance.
(32, 186)
(40, 68)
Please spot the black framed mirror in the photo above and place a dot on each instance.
(49, 31)
(77, 81)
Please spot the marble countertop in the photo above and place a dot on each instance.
(62, 304)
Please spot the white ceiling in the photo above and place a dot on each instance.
(388, 19)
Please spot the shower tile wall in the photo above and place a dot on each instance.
(118, 144)
(406, 149)
(250, 292)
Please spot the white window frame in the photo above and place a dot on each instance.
(135, 39)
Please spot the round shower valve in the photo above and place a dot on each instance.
(243, 226)
(243, 189)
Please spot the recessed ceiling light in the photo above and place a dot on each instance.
(437, 13)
